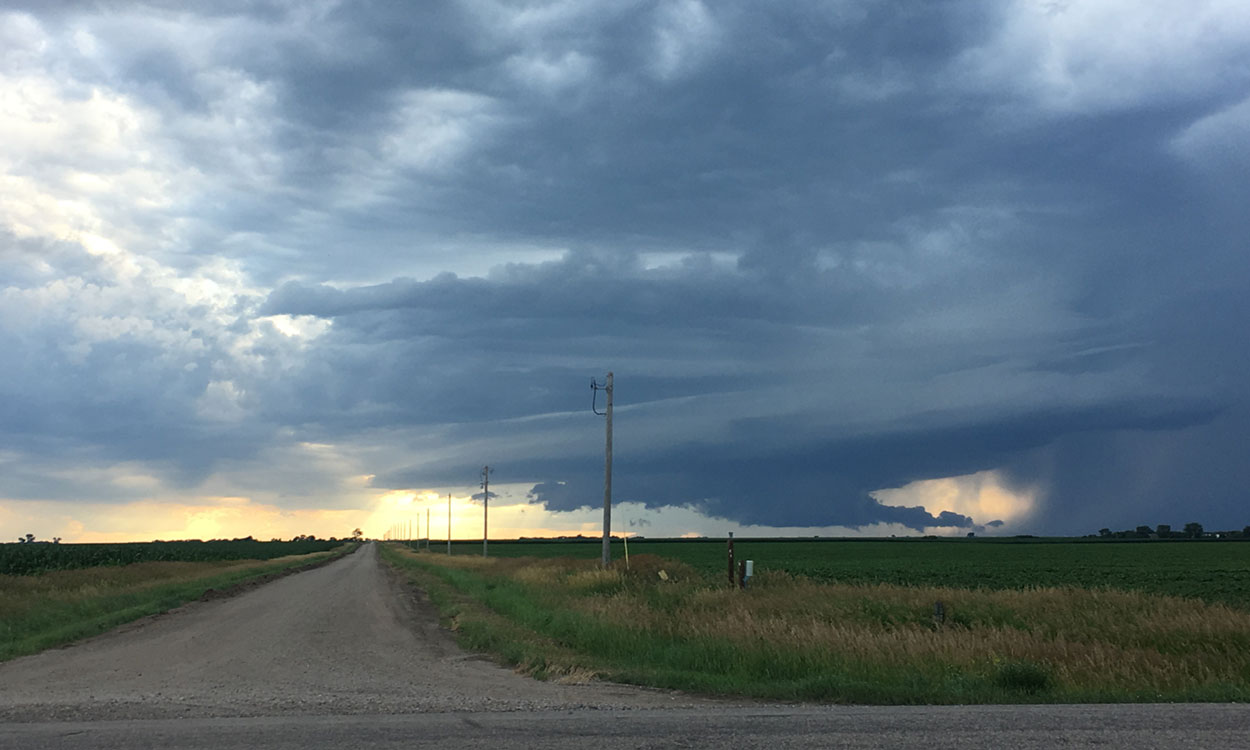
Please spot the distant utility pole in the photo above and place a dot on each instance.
(427, 528)
(485, 506)
(607, 465)
(449, 523)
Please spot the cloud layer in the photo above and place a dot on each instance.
(309, 254)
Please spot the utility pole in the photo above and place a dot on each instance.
(449, 523)
(427, 528)
(485, 506)
(607, 466)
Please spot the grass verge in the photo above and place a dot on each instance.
(56, 608)
(790, 638)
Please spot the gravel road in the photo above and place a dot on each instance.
(345, 638)
(343, 655)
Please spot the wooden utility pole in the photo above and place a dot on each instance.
(449, 523)
(485, 506)
(607, 481)
(608, 464)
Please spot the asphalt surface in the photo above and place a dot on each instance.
(345, 655)
(776, 728)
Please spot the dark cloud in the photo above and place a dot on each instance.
(824, 482)
(829, 248)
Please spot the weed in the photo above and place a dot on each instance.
(1022, 676)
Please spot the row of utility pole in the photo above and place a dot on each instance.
(607, 388)
(403, 529)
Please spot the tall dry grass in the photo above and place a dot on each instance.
(1084, 639)
(849, 642)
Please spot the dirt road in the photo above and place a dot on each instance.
(341, 639)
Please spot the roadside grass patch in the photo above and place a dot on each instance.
(461, 598)
(1024, 676)
(793, 638)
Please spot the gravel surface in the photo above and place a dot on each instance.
(345, 638)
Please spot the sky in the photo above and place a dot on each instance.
(859, 267)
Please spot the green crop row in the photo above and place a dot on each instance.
(39, 557)
(1213, 571)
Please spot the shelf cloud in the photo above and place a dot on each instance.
(312, 254)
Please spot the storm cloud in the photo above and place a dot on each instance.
(319, 250)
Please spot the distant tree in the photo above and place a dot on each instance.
(1163, 530)
(357, 534)
(1104, 532)
(1246, 532)
(1193, 530)
(1144, 531)
(28, 539)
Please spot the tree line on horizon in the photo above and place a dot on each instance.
(1192, 530)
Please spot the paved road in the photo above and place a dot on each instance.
(344, 655)
(1208, 727)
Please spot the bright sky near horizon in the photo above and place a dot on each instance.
(273, 268)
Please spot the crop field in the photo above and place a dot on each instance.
(1213, 571)
(41, 557)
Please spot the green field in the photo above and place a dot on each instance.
(1214, 571)
(41, 557)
